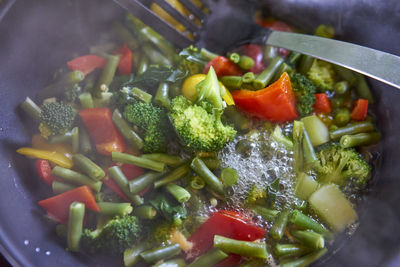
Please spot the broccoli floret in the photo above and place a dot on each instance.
(304, 91)
(56, 118)
(114, 237)
(163, 232)
(121, 98)
(199, 125)
(337, 164)
(255, 193)
(322, 75)
(152, 120)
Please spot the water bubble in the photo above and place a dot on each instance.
(26, 242)
(47, 253)
(37, 250)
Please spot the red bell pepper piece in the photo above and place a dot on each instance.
(223, 67)
(125, 60)
(360, 109)
(102, 130)
(255, 52)
(226, 223)
(86, 64)
(57, 207)
(231, 261)
(275, 103)
(43, 168)
(275, 25)
(322, 103)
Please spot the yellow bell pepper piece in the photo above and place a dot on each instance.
(227, 96)
(52, 156)
(39, 142)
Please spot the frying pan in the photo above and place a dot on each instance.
(37, 37)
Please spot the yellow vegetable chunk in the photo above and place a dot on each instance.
(55, 157)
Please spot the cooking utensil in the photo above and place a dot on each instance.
(232, 22)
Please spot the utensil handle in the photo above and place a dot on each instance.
(376, 64)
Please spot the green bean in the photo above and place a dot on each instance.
(283, 68)
(233, 82)
(325, 31)
(305, 222)
(208, 54)
(75, 225)
(298, 155)
(279, 225)
(86, 100)
(301, 204)
(354, 128)
(122, 183)
(239, 119)
(305, 260)
(234, 57)
(229, 176)
(125, 36)
(363, 90)
(211, 180)
(173, 175)
(126, 130)
(212, 163)
(210, 258)
(76, 178)
(305, 64)
(341, 88)
(86, 165)
(309, 238)
(143, 181)
(266, 214)
(178, 262)
(293, 58)
(338, 102)
(146, 212)
(342, 116)
(178, 192)
(290, 250)
(245, 62)
(155, 56)
(85, 145)
(361, 139)
(161, 98)
(113, 209)
(61, 138)
(138, 161)
(244, 248)
(143, 65)
(169, 160)
(107, 75)
(248, 77)
(197, 183)
(270, 52)
(31, 108)
(60, 187)
(310, 157)
(345, 74)
(266, 75)
(140, 94)
(160, 253)
(75, 139)
(132, 255)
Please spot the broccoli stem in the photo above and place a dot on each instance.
(279, 225)
(354, 128)
(266, 75)
(138, 161)
(31, 109)
(309, 238)
(126, 130)
(178, 192)
(86, 100)
(85, 145)
(90, 168)
(160, 253)
(305, 222)
(244, 248)
(266, 214)
(211, 180)
(146, 212)
(178, 262)
(290, 250)
(361, 139)
(173, 175)
(140, 94)
(60, 187)
(114, 209)
(132, 255)
(197, 183)
(161, 98)
(229, 176)
(208, 54)
(75, 139)
(76, 178)
(143, 65)
(248, 77)
(305, 260)
(233, 82)
(107, 75)
(122, 183)
(210, 258)
(245, 62)
(143, 181)
(169, 160)
(75, 225)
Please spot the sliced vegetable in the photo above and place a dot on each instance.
(44, 170)
(360, 109)
(125, 60)
(223, 67)
(305, 186)
(322, 103)
(87, 63)
(244, 248)
(52, 156)
(316, 129)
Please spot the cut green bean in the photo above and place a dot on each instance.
(155, 56)
(309, 238)
(279, 225)
(270, 52)
(171, 263)
(238, 118)
(342, 116)
(305, 222)
(310, 158)
(86, 100)
(305, 64)
(178, 192)
(290, 250)
(211, 180)
(75, 139)
(106, 76)
(208, 54)
(305, 260)
(140, 94)
(146, 212)
(361, 139)
(61, 138)
(75, 225)
(126, 130)
(293, 58)
(341, 88)
(132, 255)
(161, 98)
(173, 175)
(266, 214)
(85, 144)
(143, 181)
(60, 187)
(122, 183)
(86, 165)
(354, 128)
(31, 108)
(248, 77)
(138, 161)
(229, 176)
(325, 31)
(298, 155)
(125, 36)
(244, 248)
(363, 90)
(234, 57)
(160, 253)
(143, 65)
(232, 82)
(169, 160)
(76, 178)
(245, 62)
(283, 68)
(210, 258)
(266, 75)
(345, 74)
(197, 183)
(113, 209)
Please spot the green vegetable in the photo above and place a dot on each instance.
(197, 183)
(210, 258)
(325, 31)
(120, 179)
(237, 118)
(266, 75)
(309, 238)
(114, 209)
(304, 91)
(161, 98)
(245, 62)
(353, 128)
(178, 192)
(363, 90)
(143, 181)
(56, 118)
(178, 262)
(60, 187)
(232, 82)
(361, 139)
(210, 90)
(74, 177)
(272, 191)
(279, 225)
(173, 175)
(229, 176)
(170, 209)
(341, 88)
(106, 76)
(169, 160)
(305, 222)
(127, 132)
(290, 250)
(211, 180)
(244, 248)
(146, 212)
(75, 225)
(281, 138)
(316, 129)
(162, 232)
(31, 109)
(342, 116)
(305, 186)
(138, 161)
(160, 253)
(266, 214)
(305, 260)
(132, 255)
(86, 165)
(322, 75)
